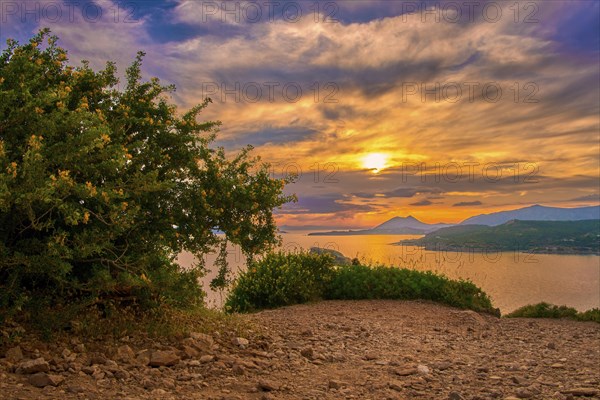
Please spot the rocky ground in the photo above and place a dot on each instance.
(330, 350)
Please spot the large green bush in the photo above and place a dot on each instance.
(281, 279)
(101, 188)
(379, 282)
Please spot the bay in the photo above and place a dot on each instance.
(511, 279)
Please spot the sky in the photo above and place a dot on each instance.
(436, 109)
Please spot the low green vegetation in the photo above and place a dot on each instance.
(356, 282)
(285, 279)
(545, 310)
(560, 237)
(281, 279)
(114, 321)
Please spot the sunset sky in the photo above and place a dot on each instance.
(383, 108)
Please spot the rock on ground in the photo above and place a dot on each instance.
(330, 350)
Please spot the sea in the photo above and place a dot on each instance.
(511, 279)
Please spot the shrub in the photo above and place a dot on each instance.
(101, 188)
(281, 279)
(363, 282)
(546, 310)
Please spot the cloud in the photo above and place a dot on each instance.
(325, 204)
(390, 75)
(403, 192)
(467, 204)
(421, 203)
(590, 197)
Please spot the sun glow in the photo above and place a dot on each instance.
(375, 161)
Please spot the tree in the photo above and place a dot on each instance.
(100, 189)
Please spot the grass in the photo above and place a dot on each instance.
(284, 279)
(546, 310)
(92, 324)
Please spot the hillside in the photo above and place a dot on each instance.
(566, 237)
(535, 213)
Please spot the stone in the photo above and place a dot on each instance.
(371, 355)
(307, 352)
(42, 379)
(206, 358)
(267, 386)
(238, 369)
(406, 371)
(241, 342)
(582, 391)
(524, 393)
(143, 357)
(125, 353)
(33, 366)
(455, 396)
(98, 374)
(76, 388)
(163, 359)
(441, 365)
(423, 369)
(203, 338)
(98, 359)
(121, 374)
(190, 352)
(335, 384)
(14, 354)
(395, 385)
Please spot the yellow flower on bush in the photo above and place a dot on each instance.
(39, 110)
(91, 188)
(12, 169)
(86, 217)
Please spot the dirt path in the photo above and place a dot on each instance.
(335, 350)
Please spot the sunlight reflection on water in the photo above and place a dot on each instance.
(511, 279)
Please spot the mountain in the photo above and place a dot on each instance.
(535, 213)
(557, 237)
(407, 223)
(395, 226)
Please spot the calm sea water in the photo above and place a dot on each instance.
(511, 279)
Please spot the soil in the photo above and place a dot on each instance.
(329, 350)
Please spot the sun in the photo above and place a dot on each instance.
(375, 161)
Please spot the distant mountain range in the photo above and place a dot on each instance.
(556, 237)
(535, 213)
(395, 226)
(412, 226)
